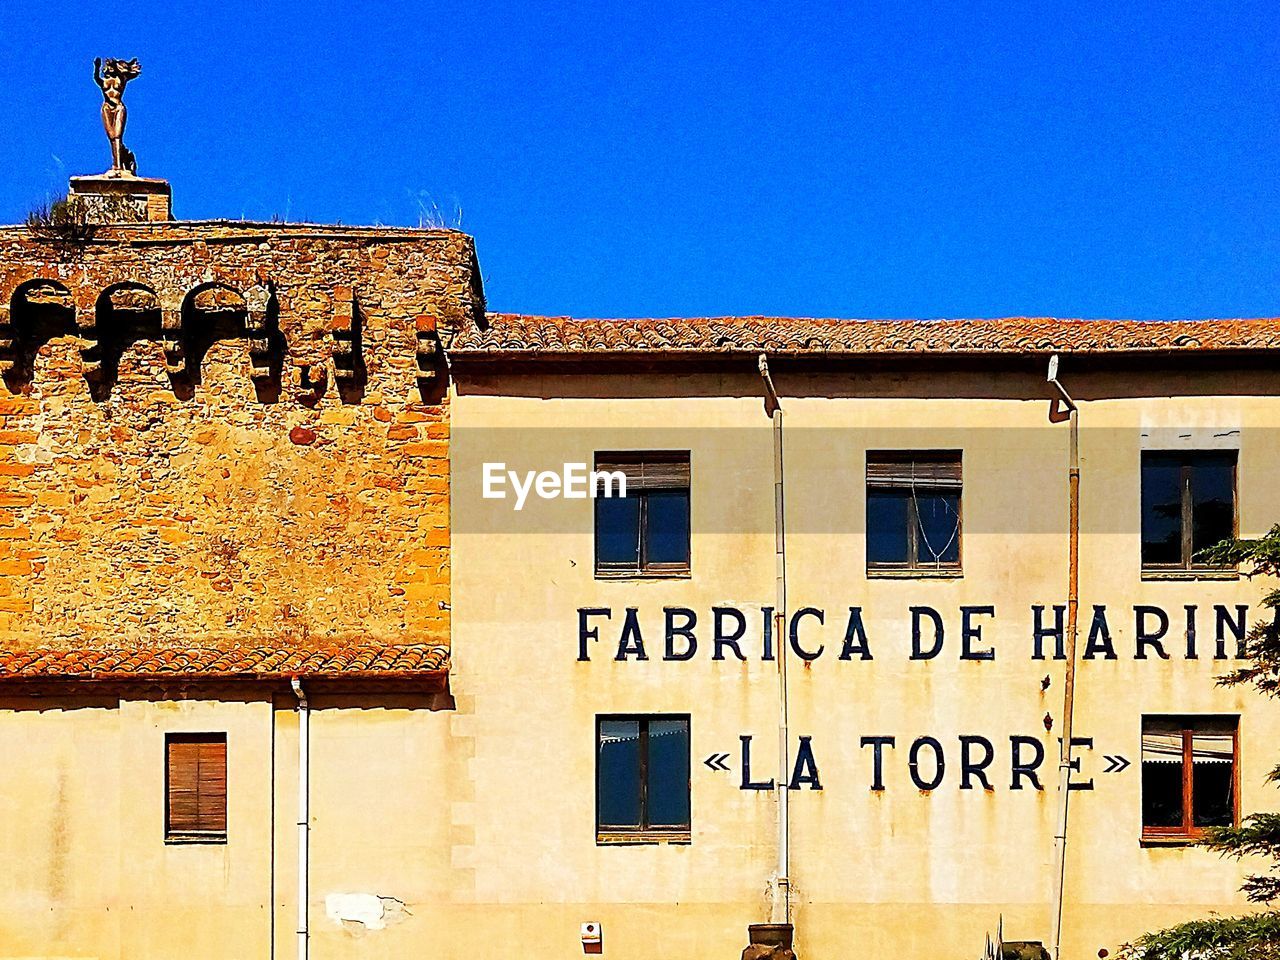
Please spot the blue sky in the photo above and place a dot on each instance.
(631, 159)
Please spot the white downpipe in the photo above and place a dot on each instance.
(304, 814)
(782, 896)
(1066, 761)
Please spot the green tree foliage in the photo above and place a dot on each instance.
(1256, 936)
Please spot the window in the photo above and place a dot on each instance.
(1188, 503)
(642, 777)
(913, 512)
(645, 533)
(1188, 776)
(196, 786)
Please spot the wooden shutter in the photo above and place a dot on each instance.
(914, 469)
(665, 470)
(197, 784)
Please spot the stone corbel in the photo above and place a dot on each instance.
(428, 346)
(171, 333)
(87, 329)
(257, 301)
(8, 340)
(342, 328)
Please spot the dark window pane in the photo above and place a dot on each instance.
(1161, 509)
(887, 526)
(1212, 790)
(668, 526)
(669, 773)
(1213, 780)
(618, 773)
(939, 540)
(618, 530)
(1212, 500)
(1161, 794)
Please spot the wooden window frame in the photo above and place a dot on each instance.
(172, 835)
(610, 834)
(1188, 832)
(644, 569)
(913, 568)
(1187, 565)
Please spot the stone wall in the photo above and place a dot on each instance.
(226, 433)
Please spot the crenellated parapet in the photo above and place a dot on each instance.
(309, 298)
(227, 433)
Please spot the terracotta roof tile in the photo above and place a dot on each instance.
(205, 662)
(519, 334)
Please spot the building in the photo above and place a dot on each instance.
(925, 478)
(264, 558)
(225, 454)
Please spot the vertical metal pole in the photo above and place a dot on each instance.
(780, 619)
(1069, 691)
(781, 912)
(304, 816)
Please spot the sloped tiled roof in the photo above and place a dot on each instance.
(339, 661)
(504, 334)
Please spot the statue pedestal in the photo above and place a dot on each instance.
(115, 198)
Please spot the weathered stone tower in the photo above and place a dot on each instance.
(224, 430)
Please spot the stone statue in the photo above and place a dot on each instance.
(111, 76)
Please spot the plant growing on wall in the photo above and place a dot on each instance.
(1255, 936)
(60, 220)
(71, 222)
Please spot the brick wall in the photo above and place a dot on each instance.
(224, 432)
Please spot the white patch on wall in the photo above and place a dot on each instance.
(359, 913)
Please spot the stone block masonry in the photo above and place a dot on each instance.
(227, 433)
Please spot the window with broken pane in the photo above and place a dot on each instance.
(1188, 775)
(913, 511)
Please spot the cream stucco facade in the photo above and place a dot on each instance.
(900, 872)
